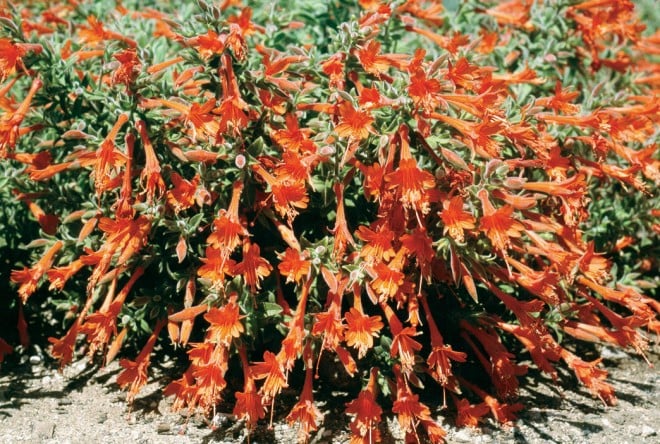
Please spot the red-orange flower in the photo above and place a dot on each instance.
(412, 184)
(129, 67)
(367, 412)
(273, 372)
(253, 267)
(216, 266)
(29, 277)
(354, 123)
(135, 372)
(182, 196)
(499, 225)
(386, 280)
(227, 227)
(378, 245)
(150, 175)
(455, 219)
(411, 412)
(11, 55)
(249, 404)
(294, 265)
(361, 329)
(305, 412)
(11, 120)
(225, 322)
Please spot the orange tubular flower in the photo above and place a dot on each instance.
(135, 372)
(95, 33)
(361, 329)
(232, 109)
(108, 157)
(439, 361)
(59, 275)
(197, 117)
(334, 69)
(503, 413)
(477, 136)
(216, 266)
(367, 413)
(355, 124)
(403, 344)
(273, 372)
(292, 138)
(560, 101)
(253, 267)
(228, 229)
(329, 325)
(378, 245)
(150, 175)
(514, 12)
(10, 121)
(499, 225)
(455, 219)
(468, 415)
(182, 196)
(386, 280)
(225, 322)
(11, 55)
(420, 245)
(210, 363)
(377, 64)
(305, 412)
(341, 232)
(294, 265)
(123, 236)
(129, 68)
(249, 405)
(62, 349)
(100, 326)
(591, 376)
(29, 277)
(413, 185)
(288, 195)
(411, 412)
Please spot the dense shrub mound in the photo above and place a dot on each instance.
(427, 198)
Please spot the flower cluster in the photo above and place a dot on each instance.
(409, 191)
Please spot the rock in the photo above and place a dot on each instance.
(647, 431)
(45, 430)
(35, 359)
(163, 427)
(613, 354)
(463, 435)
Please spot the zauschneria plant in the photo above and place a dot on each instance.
(417, 195)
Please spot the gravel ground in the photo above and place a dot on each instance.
(84, 405)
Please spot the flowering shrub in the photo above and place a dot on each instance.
(426, 196)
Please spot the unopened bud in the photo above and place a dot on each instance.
(240, 161)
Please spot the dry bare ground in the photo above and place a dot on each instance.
(84, 405)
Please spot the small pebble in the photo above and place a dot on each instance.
(35, 359)
(162, 428)
(647, 431)
(613, 354)
(463, 435)
(45, 430)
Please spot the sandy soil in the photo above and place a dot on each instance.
(84, 405)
